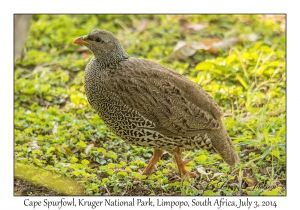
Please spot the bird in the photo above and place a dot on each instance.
(147, 104)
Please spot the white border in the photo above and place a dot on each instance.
(8, 8)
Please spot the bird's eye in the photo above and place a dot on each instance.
(98, 40)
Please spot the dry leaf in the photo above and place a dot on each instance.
(195, 27)
(226, 114)
(240, 178)
(89, 148)
(201, 170)
(182, 50)
(251, 181)
(28, 112)
(217, 175)
(34, 145)
(189, 27)
(246, 116)
(209, 43)
(216, 44)
(248, 37)
(277, 112)
(249, 178)
(38, 68)
(141, 27)
(94, 165)
(55, 126)
(75, 150)
(68, 151)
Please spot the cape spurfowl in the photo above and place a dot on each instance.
(147, 104)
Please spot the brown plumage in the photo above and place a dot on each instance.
(147, 104)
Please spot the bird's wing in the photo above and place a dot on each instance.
(174, 104)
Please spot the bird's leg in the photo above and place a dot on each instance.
(181, 165)
(151, 165)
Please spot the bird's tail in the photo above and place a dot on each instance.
(224, 146)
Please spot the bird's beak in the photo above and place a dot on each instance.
(81, 40)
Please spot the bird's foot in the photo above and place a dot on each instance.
(151, 165)
(146, 173)
(185, 174)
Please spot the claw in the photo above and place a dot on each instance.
(144, 173)
(184, 162)
(190, 174)
(151, 165)
(181, 165)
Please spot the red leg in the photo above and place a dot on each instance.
(151, 165)
(181, 165)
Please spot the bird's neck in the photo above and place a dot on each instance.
(111, 56)
(104, 63)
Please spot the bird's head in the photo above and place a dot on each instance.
(104, 45)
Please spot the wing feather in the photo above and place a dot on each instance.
(173, 103)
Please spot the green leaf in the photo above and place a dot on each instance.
(202, 158)
(254, 193)
(113, 155)
(272, 192)
(111, 165)
(122, 174)
(110, 171)
(85, 162)
(208, 193)
(73, 159)
(102, 150)
(37, 162)
(81, 145)
(123, 163)
(242, 81)
(100, 161)
(204, 66)
(136, 175)
(28, 130)
(276, 154)
(104, 180)
(76, 173)
(48, 98)
(265, 153)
